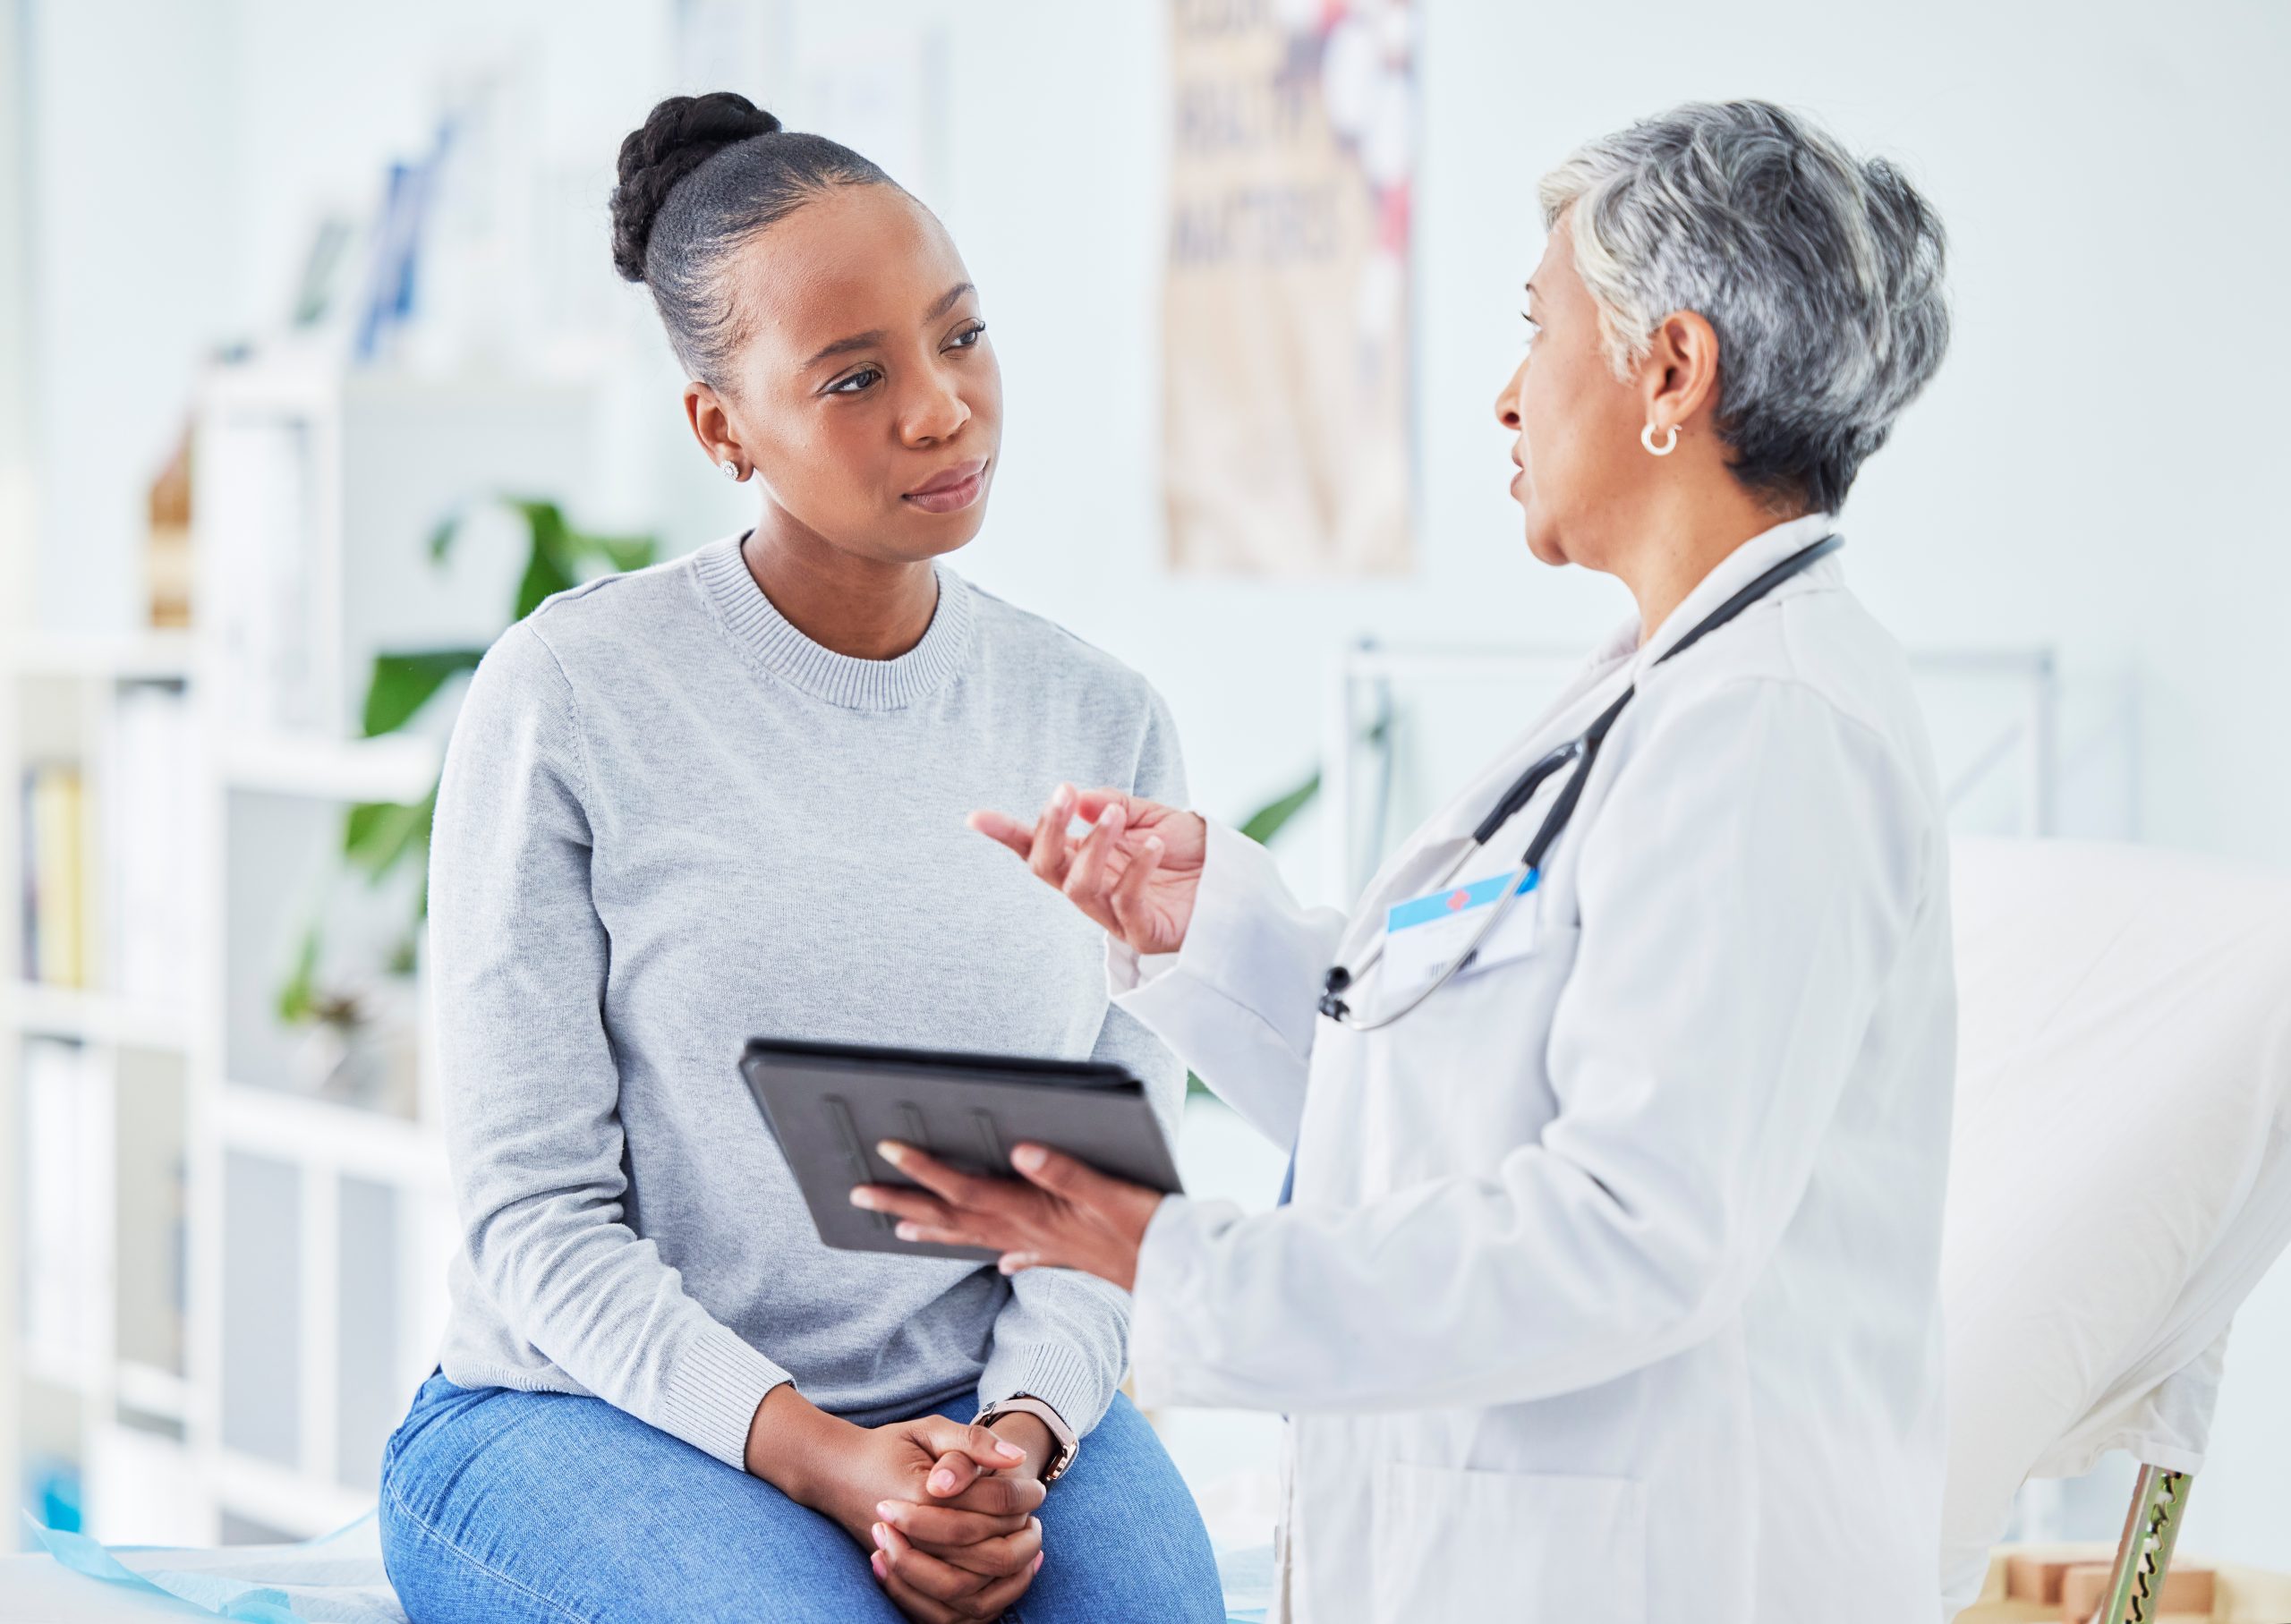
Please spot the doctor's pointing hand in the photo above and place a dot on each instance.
(1605, 1289)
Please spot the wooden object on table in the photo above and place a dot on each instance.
(2190, 1591)
(2036, 1576)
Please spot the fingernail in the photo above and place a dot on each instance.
(907, 1232)
(1153, 843)
(1008, 1451)
(882, 1537)
(890, 1151)
(862, 1198)
(1065, 793)
(942, 1483)
(1038, 1556)
(1036, 1524)
(1110, 816)
(886, 1509)
(876, 1560)
(1027, 1158)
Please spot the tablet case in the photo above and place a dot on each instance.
(829, 1104)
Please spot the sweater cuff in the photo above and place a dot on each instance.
(709, 1390)
(1060, 1378)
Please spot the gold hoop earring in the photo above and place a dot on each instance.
(1647, 438)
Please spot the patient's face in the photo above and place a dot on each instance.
(1575, 424)
(866, 393)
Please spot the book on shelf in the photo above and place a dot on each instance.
(147, 784)
(259, 519)
(54, 918)
(59, 1104)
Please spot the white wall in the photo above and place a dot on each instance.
(132, 267)
(2091, 468)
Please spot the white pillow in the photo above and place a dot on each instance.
(2120, 1171)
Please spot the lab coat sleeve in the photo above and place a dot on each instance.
(1063, 1336)
(532, 1093)
(1237, 1001)
(1745, 889)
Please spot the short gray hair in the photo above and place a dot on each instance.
(1822, 275)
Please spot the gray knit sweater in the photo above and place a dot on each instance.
(671, 823)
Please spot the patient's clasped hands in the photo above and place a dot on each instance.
(947, 1510)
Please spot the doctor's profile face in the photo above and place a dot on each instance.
(1575, 425)
(863, 387)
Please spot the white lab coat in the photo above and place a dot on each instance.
(1608, 1292)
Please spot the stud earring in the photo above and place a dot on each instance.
(1647, 438)
(731, 469)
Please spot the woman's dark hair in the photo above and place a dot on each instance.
(703, 175)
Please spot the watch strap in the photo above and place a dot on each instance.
(1065, 1444)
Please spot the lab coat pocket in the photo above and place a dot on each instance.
(1506, 1545)
(1463, 1082)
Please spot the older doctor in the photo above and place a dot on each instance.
(1608, 1289)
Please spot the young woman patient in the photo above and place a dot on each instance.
(722, 798)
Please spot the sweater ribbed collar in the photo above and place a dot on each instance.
(767, 637)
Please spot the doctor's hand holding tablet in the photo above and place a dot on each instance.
(1605, 1287)
(1134, 870)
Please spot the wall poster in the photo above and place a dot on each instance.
(1286, 368)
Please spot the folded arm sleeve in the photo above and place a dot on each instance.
(1745, 889)
(1240, 998)
(532, 1093)
(1064, 1337)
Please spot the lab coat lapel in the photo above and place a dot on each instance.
(1428, 853)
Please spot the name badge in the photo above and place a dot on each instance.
(1424, 935)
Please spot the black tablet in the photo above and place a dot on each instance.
(831, 1104)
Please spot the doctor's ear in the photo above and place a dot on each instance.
(711, 426)
(1678, 377)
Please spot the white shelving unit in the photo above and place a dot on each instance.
(261, 1267)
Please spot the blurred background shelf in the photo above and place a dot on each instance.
(32, 1009)
(221, 1135)
(350, 1138)
(162, 656)
(394, 768)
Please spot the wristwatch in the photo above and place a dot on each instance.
(1066, 1446)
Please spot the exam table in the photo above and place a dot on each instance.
(2119, 1181)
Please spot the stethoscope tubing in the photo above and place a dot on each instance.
(1583, 750)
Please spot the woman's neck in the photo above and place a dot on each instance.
(866, 608)
(1681, 546)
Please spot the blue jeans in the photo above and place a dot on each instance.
(499, 1505)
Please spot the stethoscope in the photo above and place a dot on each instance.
(1582, 750)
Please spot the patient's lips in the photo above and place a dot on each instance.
(951, 489)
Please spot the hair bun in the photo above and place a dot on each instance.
(677, 137)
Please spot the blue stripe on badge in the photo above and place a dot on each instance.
(1446, 904)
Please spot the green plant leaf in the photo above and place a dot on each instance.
(298, 999)
(1267, 821)
(544, 578)
(622, 552)
(402, 684)
(376, 835)
(441, 540)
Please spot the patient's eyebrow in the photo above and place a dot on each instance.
(861, 341)
(857, 341)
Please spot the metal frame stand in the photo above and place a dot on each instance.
(2151, 1527)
